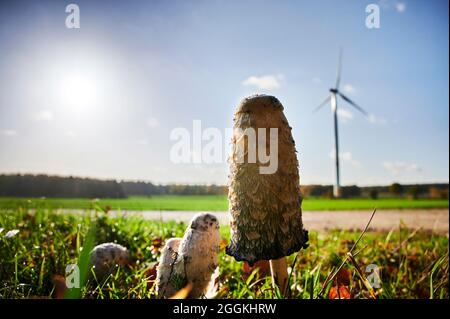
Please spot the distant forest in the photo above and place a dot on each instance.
(75, 187)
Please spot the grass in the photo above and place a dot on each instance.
(215, 203)
(33, 261)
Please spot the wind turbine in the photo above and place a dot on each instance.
(332, 98)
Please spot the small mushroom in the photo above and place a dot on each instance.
(199, 252)
(164, 271)
(266, 217)
(194, 260)
(105, 257)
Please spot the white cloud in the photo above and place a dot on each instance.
(44, 115)
(316, 80)
(400, 7)
(377, 120)
(345, 157)
(265, 82)
(152, 122)
(397, 168)
(344, 115)
(348, 88)
(9, 132)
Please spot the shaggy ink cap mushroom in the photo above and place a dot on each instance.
(106, 256)
(266, 217)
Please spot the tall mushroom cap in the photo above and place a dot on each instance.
(265, 208)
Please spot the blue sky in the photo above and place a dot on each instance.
(142, 68)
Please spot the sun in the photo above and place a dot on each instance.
(78, 90)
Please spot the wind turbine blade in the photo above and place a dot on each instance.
(322, 104)
(356, 106)
(338, 77)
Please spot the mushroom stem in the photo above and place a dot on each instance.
(278, 269)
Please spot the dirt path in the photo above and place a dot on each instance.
(436, 220)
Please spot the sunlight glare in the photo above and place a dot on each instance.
(79, 91)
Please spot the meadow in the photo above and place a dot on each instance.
(36, 246)
(214, 203)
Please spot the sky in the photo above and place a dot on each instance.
(102, 100)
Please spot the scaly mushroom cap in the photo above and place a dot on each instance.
(193, 258)
(198, 252)
(105, 257)
(265, 208)
(164, 271)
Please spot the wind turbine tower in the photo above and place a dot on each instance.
(332, 98)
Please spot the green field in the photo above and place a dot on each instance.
(214, 203)
(34, 257)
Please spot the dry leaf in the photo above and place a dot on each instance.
(223, 244)
(183, 292)
(213, 286)
(342, 293)
(157, 242)
(263, 268)
(343, 277)
(150, 274)
(60, 286)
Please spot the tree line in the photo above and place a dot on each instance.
(56, 186)
(395, 190)
(27, 185)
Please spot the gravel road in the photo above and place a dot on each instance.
(436, 220)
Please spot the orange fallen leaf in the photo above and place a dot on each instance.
(183, 293)
(342, 293)
(223, 244)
